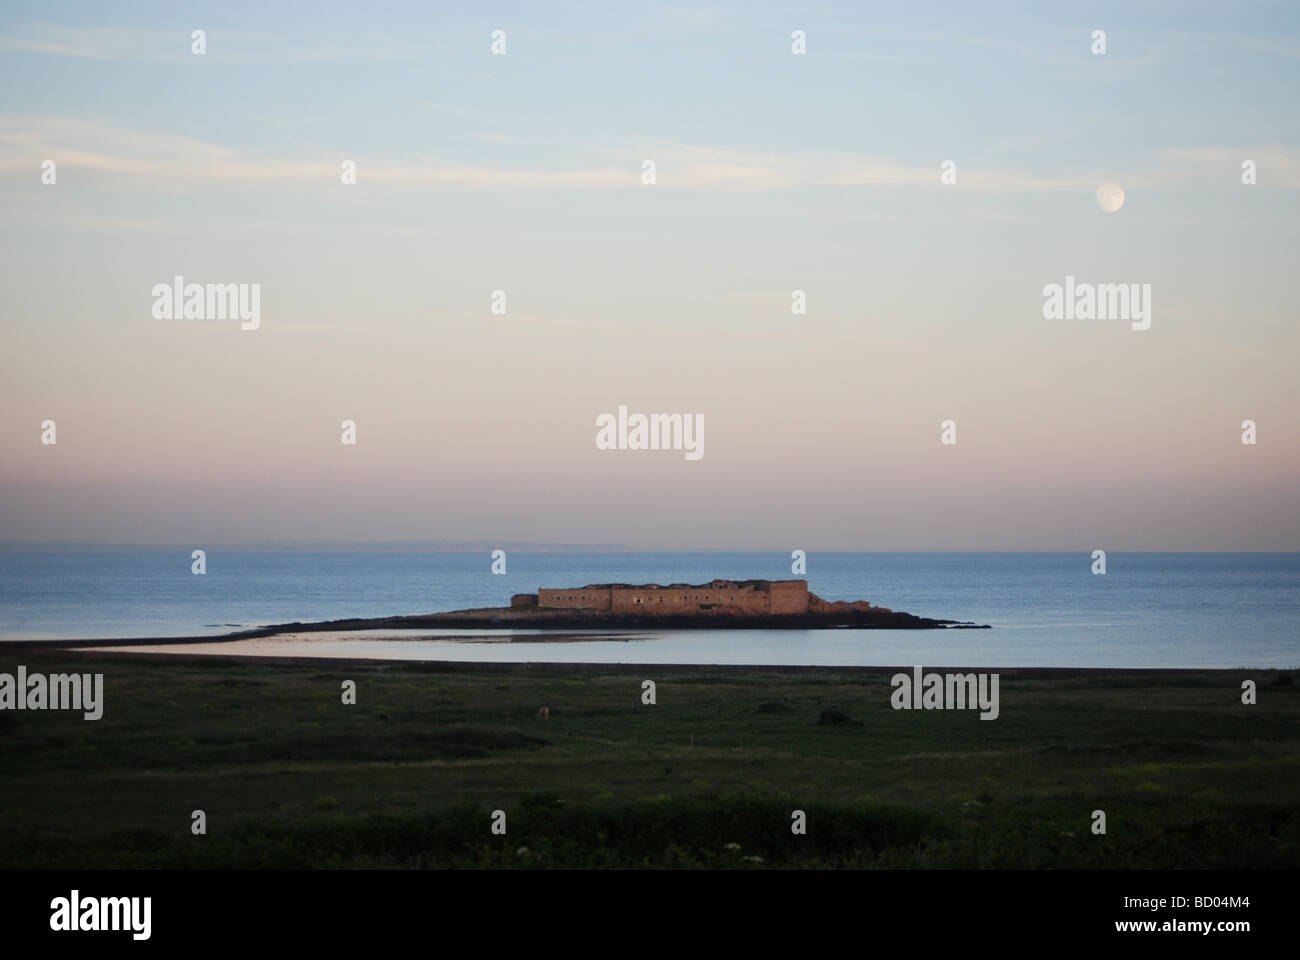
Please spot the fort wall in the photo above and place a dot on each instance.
(755, 597)
(789, 596)
(575, 598)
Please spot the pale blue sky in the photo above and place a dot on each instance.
(775, 172)
(906, 81)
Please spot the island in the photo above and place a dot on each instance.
(718, 604)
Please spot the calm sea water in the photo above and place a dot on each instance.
(1156, 610)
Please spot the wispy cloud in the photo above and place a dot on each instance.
(143, 44)
(97, 43)
(77, 145)
(1280, 46)
(696, 18)
(1275, 166)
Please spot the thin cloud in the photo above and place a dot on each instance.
(696, 18)
(26, 141)
(153, 45)
(1275, 166)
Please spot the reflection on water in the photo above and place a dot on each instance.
(1004, 647)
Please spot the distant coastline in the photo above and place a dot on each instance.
(315, 547)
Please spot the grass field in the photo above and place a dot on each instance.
(289, 776)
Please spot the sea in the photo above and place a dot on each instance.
(1190, 610)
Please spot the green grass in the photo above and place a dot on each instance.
(408, 777)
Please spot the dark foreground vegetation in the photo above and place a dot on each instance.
(409, 776)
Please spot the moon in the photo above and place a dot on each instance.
(1110, 196)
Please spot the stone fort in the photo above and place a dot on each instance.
(751, 597)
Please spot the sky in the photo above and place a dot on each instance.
(774, 172)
